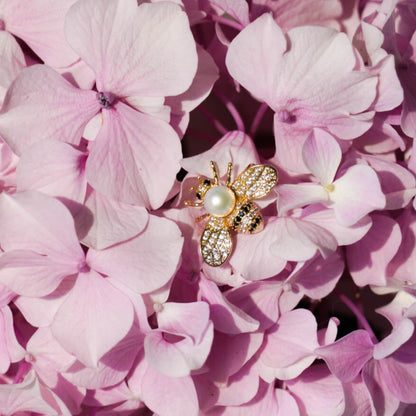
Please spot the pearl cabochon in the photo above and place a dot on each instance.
(219, 201)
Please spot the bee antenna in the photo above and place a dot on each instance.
(229, 171)
(214, 171)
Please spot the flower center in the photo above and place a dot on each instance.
(219, 201)
(285, 116)
(106, 99)
(330, 187)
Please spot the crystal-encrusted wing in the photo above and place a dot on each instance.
(255, 182)
(216, 243)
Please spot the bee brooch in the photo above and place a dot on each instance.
(230, 207)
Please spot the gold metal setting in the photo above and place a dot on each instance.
(255, 182)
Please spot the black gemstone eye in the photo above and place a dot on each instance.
(207, 182)
(198, 195)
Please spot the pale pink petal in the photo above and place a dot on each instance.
(24, 397)
(54, 168)
(241, 387)
(299, 240)
(322, 155)
(226, 317)
(390, 92)
(394, 340)
(12, 62)
(112, 368)
(329, 334)
(347, 356)
(259, 299)
(325, 218)
(169, 396)
(399, 377)
(46, 224)
(10, 349)
(290, 13)
(318, 392)
(142, 153)
(153, 47)
(28, 273)
(44, 103)
(289, 347)
(206, 75)
(357, 400)
(182, 341)
(368, 258)
(299, 195)
(78, 74)
(39, 312)
(404, 262)
(317, 277)
(382, 398)
(104, 222)
(333, 61)
(146, 262)
(380, 138)
(254, 57)
(252, 257)
(40, 24)
(104, 316)
(47, 356)
(235, 147)
(229, 353)
(356, 194)
(237, 9)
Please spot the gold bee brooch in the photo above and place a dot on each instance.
(230, 207)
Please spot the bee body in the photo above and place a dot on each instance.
(230, 207)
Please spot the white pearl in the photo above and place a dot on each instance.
(219, 201)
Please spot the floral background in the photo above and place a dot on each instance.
(110, 110)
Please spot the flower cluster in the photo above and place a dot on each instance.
(110, 110)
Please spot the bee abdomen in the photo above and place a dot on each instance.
(247, 219)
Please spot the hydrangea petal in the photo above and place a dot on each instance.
(254, 57)
(226, 317)
(54, 168)
(368, 258)
(141, 151)
(146, 262)
(288, 343)
(29, 273)
(39, 312)
(322, 155)
(318, 391)
(104, 222)
(12, 62)
(40, 24)
(154, 49)
(299, 195)
(25, 397)
(112, 368)
(252, 257)
(299, 240)
(347, 356)
(355, 194)
(169, 396)
(46, 224)
(104, 316)
(42, 102)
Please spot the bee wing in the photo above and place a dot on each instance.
(255, 182)
(216, 243)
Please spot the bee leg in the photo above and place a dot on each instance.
(193, 204)
(214, 171)
(229, 170)
(201, 218)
